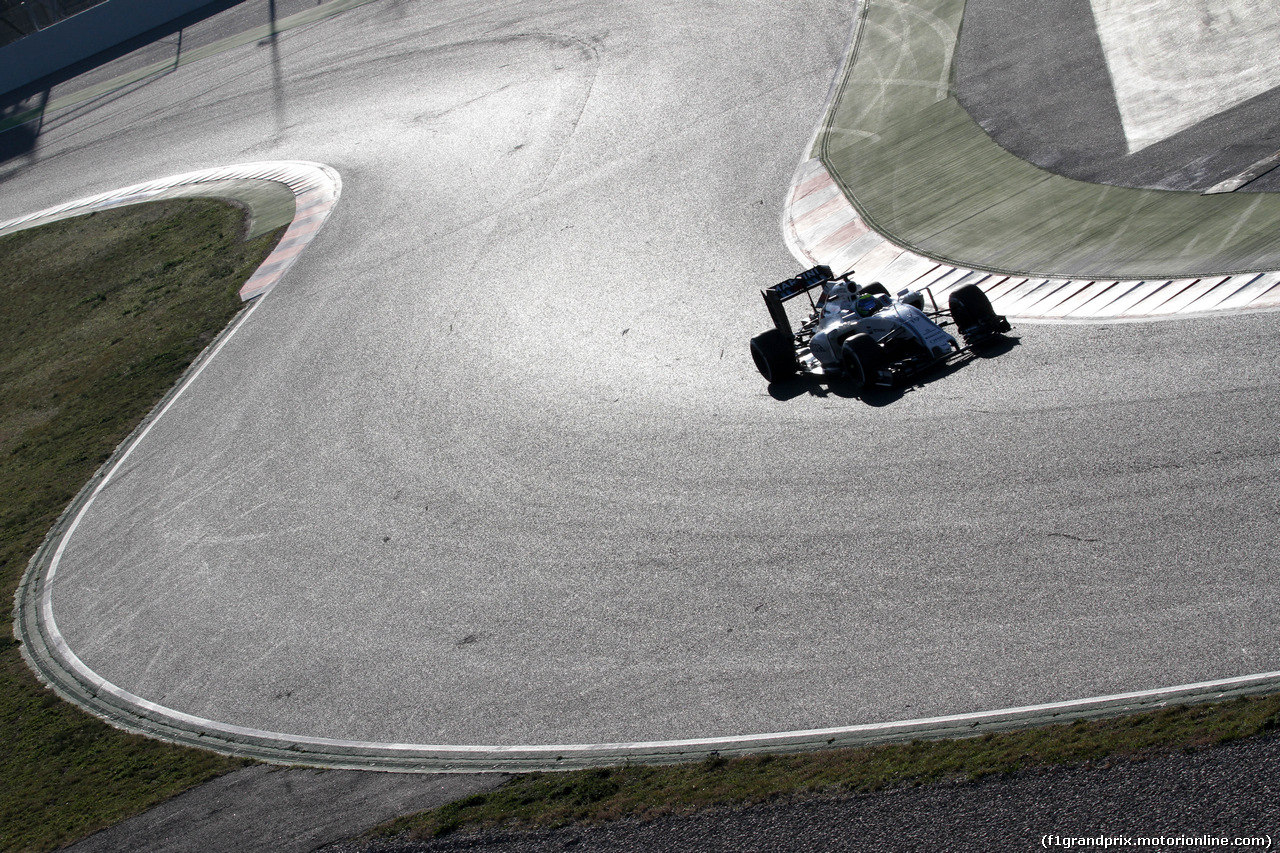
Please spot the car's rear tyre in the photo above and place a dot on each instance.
(974, 316)
(861, 358)
(774, 355)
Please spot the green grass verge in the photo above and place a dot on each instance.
(102, 314)
(547, 800)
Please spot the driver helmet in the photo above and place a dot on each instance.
(866, 305)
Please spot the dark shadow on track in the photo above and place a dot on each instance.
(277, 71)
(997, 346)
(879, 397)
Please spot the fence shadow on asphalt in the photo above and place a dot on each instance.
(21, 119)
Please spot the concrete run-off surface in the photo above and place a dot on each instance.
(1175, 64)
(281, 810)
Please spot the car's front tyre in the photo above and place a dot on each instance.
(861, 358)
(974, 316)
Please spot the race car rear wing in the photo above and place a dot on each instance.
(780, 293)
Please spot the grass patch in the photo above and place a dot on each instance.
(548, 800)
(102, 313)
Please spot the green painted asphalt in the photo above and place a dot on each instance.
(270, 204)
(919, 170)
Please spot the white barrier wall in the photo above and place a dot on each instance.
(81, 36)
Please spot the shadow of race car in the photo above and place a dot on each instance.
(867, 337)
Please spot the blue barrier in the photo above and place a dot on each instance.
(81, 36)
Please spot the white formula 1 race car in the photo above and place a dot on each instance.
(866, 336)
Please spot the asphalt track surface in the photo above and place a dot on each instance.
(492, 465)
(1035, 77)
